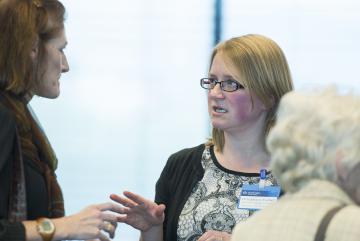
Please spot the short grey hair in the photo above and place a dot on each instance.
(312, 131)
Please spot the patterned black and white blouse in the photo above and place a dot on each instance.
(212, 204)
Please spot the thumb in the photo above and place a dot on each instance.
(160, 210)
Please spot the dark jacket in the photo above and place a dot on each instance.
(33, 197)
(8, 230)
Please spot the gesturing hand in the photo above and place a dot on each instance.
(92, 221)
(139, 212)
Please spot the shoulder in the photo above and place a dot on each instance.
(6, 115)
(7, 121)
(182, 162)
(187, 156)
(7, 133)
(179, 165)
(188, 152)
(345, 224)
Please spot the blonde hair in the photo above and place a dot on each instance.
(311, 132)
(262, 65)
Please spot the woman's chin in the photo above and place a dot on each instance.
(49, 95)
(217, 125)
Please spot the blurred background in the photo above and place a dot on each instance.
(132, 96)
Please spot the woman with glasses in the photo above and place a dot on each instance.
(198, 190)
(32, 59)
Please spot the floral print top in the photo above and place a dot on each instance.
(212, 205)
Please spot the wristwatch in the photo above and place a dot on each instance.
(45, 228)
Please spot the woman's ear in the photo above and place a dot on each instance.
(349, 180)
(34, 53)
(270, 105)
(340, 169)
(34, 50)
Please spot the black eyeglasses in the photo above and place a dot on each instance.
(225, 85)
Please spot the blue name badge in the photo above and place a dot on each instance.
(254, 198)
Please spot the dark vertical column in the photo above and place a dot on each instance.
(218, 21)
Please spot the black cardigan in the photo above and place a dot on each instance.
(179, 176)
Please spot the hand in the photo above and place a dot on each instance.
(139, 212)
(212, 235)
(91, 222)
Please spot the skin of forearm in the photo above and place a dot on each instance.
(33, 235)
(153, 234)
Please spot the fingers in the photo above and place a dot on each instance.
(107, 221)
(132, 200)
(124, 201)
(106, 216)
(122, 219)
(136, 208)
(108, 206)
(103, 237)
(112, 231)
(92, 223)
(109, 227)
(115, 197)
(135, 198)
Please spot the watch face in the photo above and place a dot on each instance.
(46, 226)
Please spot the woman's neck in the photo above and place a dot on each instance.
(244, 151)
(23, 98)
(28, 97)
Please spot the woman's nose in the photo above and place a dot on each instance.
(216, 92)
(64, 64)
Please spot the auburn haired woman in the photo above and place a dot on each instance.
(32, 59)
